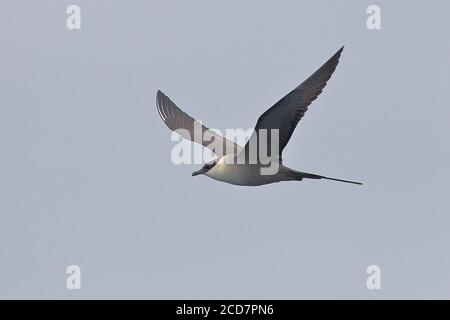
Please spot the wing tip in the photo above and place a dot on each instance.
(159, 94)
(159, 105)
(338, 53)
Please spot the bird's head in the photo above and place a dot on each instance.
(208, 166)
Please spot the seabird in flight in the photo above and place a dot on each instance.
(282, 116)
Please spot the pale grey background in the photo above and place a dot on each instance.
(85, 170)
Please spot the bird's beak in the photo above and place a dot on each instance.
(201, 171)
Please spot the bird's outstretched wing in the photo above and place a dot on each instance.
(287, 112)
(176, 119)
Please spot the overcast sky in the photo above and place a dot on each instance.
(86, 176)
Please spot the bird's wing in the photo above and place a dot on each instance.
(287, 112)
(176, 119)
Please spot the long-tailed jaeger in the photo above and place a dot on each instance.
(283, 116)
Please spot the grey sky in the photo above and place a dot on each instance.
(86, 176)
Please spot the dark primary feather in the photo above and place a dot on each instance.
(175, 119)
(287, 112)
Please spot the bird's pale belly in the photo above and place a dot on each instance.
(240, 174)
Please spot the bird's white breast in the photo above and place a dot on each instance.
(240, 174)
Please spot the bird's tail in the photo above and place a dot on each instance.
(297, 175)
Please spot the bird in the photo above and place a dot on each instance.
(283, 117)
